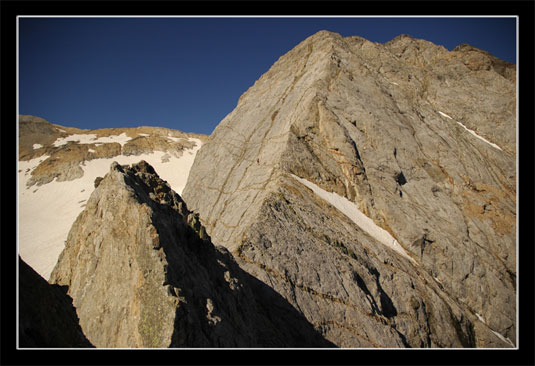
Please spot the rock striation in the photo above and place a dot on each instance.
(143, 272)
(47, 318)
(422, 142)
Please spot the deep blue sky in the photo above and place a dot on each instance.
(188, 73)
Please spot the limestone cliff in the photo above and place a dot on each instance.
(142, 272)
(422, 142)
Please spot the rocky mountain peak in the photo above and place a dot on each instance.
(143, 273)
(477, 59)
(58, 166)
(363, 174)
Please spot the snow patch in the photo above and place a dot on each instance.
(472, 132)
(351, 210)
(91, 150)
(506, 340)
(479, 137)
(175, 139)
(92, 138)
(480, 318)
(82, 139)
(121, 139)
(444, 114)
(143, 134)
(37, 146)
(46, 214)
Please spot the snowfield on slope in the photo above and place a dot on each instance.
(351, 210)
(47, 212)
(92, 138)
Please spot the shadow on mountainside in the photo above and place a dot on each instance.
(47, 317)
(221, 305)
(224, 306)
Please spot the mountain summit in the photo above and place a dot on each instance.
(373, 186)
(143, 273)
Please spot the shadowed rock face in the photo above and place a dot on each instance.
(142, 272)
(47, 318)
(422, 141)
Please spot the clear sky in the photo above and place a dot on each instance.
(188, 73)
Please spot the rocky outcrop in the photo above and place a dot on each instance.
(147, 144)
(68, 149)
(142, 272)
(47, 318)
(419, 140)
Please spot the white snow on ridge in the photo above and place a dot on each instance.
(92, 138)
(122, 139)
(445, 115)
(82, 139)
(472, 132)
(37, 146)
(351, 210)
(479, 137)
(175, 139)
(47, 212)
(506, 340)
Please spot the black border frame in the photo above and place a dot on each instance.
(524, 355)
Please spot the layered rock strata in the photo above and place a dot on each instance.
(142, 272)
(420, 140)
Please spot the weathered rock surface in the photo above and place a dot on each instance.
(47, 318)
(142, 272)
(423, 141)
(67, 148)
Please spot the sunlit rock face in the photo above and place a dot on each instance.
(419, 140)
